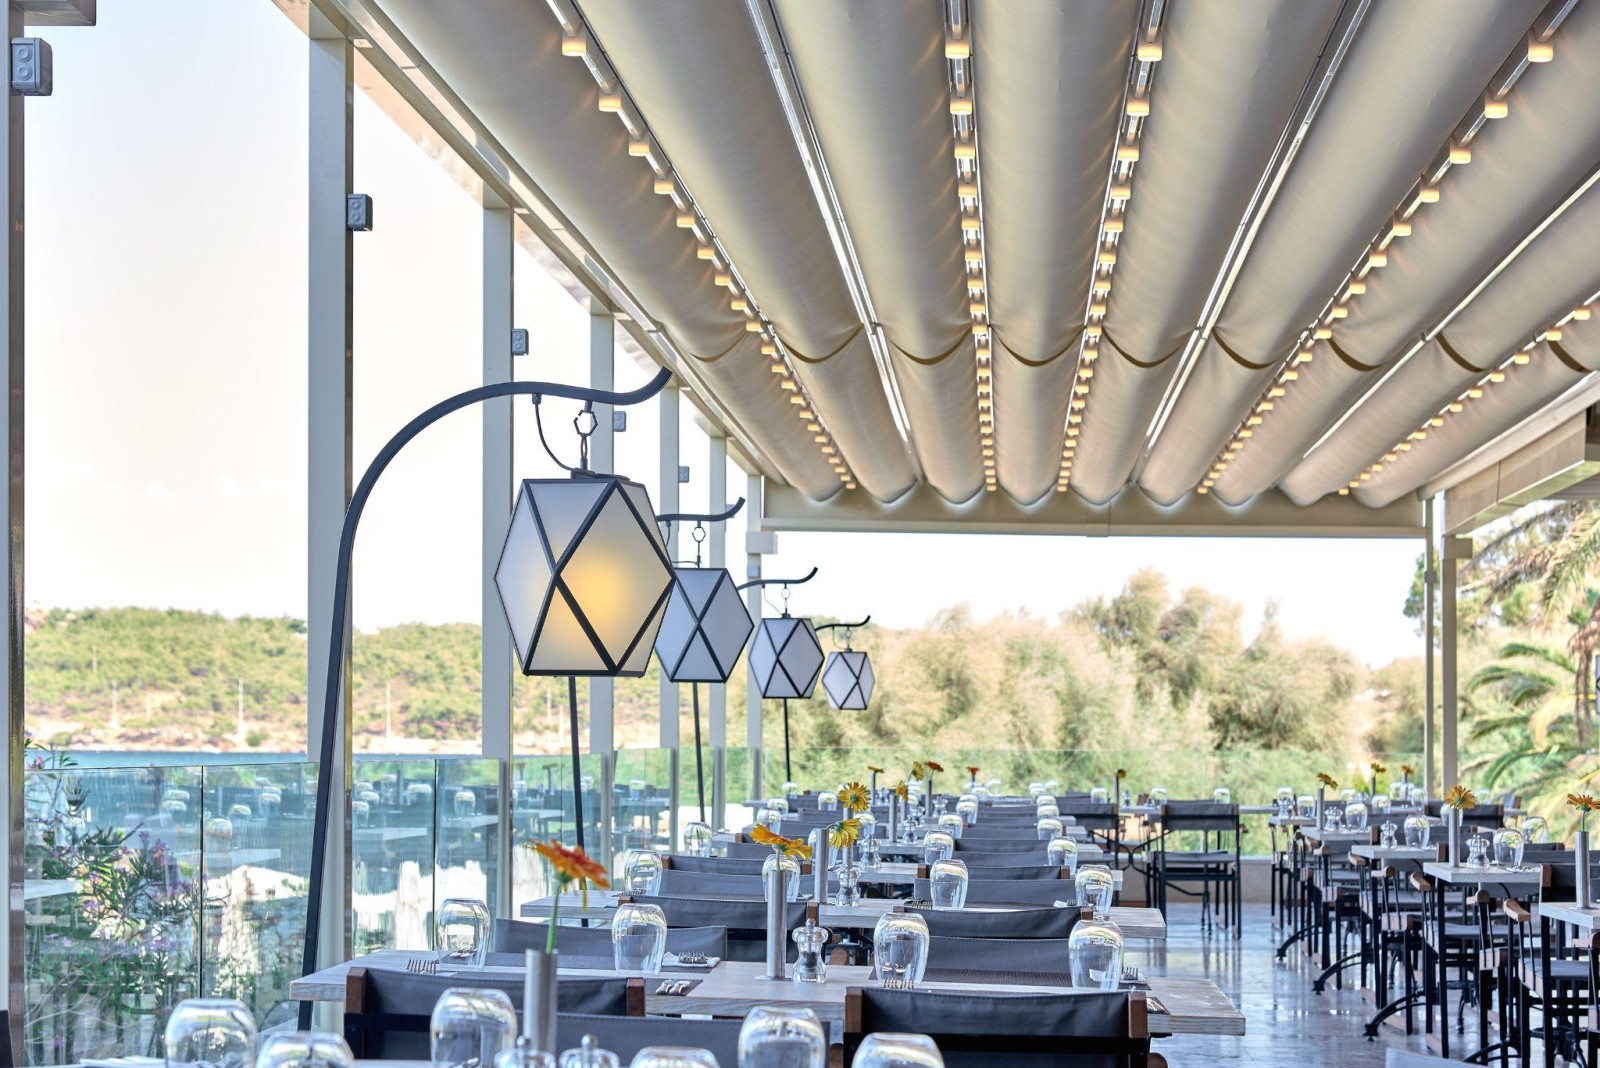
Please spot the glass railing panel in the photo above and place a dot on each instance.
(737, 769)
(545, 811)
(392, 864)
(467, 830)
(256, 870)
(689, 786)
(112, 936)
(641, 802)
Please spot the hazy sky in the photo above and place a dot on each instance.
(167, 385)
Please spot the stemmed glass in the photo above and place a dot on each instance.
(211, 1033)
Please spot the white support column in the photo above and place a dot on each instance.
(498, 658)
(602, 457)
(670, 502)
(11, 502)
(330, 329)
(1455, 550)
(1430, 585)
(752, 701)
(716, 709)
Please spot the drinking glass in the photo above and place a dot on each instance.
(997, 788)
(1158, 795)
(697, 839)
(1035, 789)
(466, 803)
(1095, 948)
(791, 875)
(888, 1049)
(641, 872)
(1047, 828)
(1286, 797)
(779, 803)
(211, 1033)
(770, 818)
(1535, 831)
(947, 884)
(1508, 848)
(1379, 805)
(791, 789)
(1047, 812)
(238, 813)
(638, 938)
(1063, 853)
(1355, 816)
(775, 1036)
(952, 824)
(1418, 831)
(1347, 795)
(304, 1049)
(1332, 819)
(967, 809)
(900, 949)
(418, 793)
(1222, 796)
(1042, 800)
(1051, 786)
(673, 1057)
(936, 846)
(828, 802)
(461, 931)
(471, 1027)
(1305, 806)
(1096, 886)
(1099, 795)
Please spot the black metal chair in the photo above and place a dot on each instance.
(386, 1012)
(1082, 1029)
(744, 918)
(1036, 892)
(1214, 866)
(512, 938)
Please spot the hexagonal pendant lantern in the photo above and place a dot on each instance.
(848, 680)
(584, 576)
(705, 628)
(786, 657)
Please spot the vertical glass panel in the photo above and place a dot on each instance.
(641, 808)
(469, 818)
(392, 869)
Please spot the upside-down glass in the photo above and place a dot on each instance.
(1305, 806)
(900, 949)
(952, 824)
(641, 871)
(673, 1057)
(1418, 831)
(1047, 812)
(791, 875)
(1035, 789)
(1051, 786)
(469, 1027)
(1063, 853)
(1095, 948)
(1379, 805)
(1222, 796)
(211, 1033)
(697, 839)
(770, 818)
(936, 845)
(1355, 816)
(638, 938)
(1096, 887)
(304, 1049)
(890, 1049)
(776, 1036)
(780, 803)
(461, 931)
(1535, 831)
(1042, 800)
(947, 884)
(1099, 795)
(1047, 827)
(967, 809)
(996, 787)
(1508, 843)
(1347, 794)
(1158, 795)
(828, 802)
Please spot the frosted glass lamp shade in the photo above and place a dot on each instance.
(786, 656)
(848, 680)
(584, 577)
(705, 627)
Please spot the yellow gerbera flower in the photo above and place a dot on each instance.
(1377, 768)
(873, 770)
(902, 791)
(1459, 797)
(1327, 780)
(854, 798)
(844, 832)
(916, 769)
(1408, 770)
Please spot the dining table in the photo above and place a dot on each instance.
(1175, 1005)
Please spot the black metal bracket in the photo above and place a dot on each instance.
(332, 706)
(847, 626)
(778, 582)
(702, 517)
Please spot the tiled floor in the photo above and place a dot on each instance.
(1286, 1023)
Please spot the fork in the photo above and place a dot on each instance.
(422, 966)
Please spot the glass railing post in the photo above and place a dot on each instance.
(674, 795)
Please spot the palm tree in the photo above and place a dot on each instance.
(1520, 704)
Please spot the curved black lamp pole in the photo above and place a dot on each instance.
(694, 687)
(846, 626)
(331, 705)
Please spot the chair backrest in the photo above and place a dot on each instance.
(744, 918)
(676, 883)
(1091, 815)
(715, 865)
(627, 1035)
(1005, 871)
(5, 1048)
(1035, 892)
(386, 1012)
(746, 850)
(1000, 829)
(1014, 923)
(1199, 816)
(1477, 816)
(1081, 1029)
(515, 937)
(999, 845)
(1041, 956)
(1006, 861)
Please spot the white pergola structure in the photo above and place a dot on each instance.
(1263, 267)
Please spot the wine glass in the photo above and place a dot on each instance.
(887, 1049)
(304, 1049)
(469, 1028)
(462, 931)
(211, 1033)
(774, 1036)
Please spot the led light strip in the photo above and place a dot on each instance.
(1476, 391)
(1457, 152)
(577, 42)
(1136, 109)
(969, 194)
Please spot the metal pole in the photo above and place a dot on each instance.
(577, 765)
(699, 764)
(752, 697)
(1455, 550)
(11, 799)
(497, 497)
(603, 457)
(1430, 576)
(330, 322)
(717, 546)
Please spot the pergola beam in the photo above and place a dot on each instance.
(1131, 514)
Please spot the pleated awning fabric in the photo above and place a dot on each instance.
(815, 137)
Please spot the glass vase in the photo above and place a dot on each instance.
(1095, 948)
(947, 884)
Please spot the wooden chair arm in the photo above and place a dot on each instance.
(1420, 883)
(1516, 913)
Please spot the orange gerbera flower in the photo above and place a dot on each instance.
(972, 772)
(902, 791)
(1327, 780)
(572, 865)
(761, 836)
(789, 847)
(933, 765)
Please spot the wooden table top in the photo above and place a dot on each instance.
(1528, 878)
(1178, 1006)
(1568, 912)
(1136, 923)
